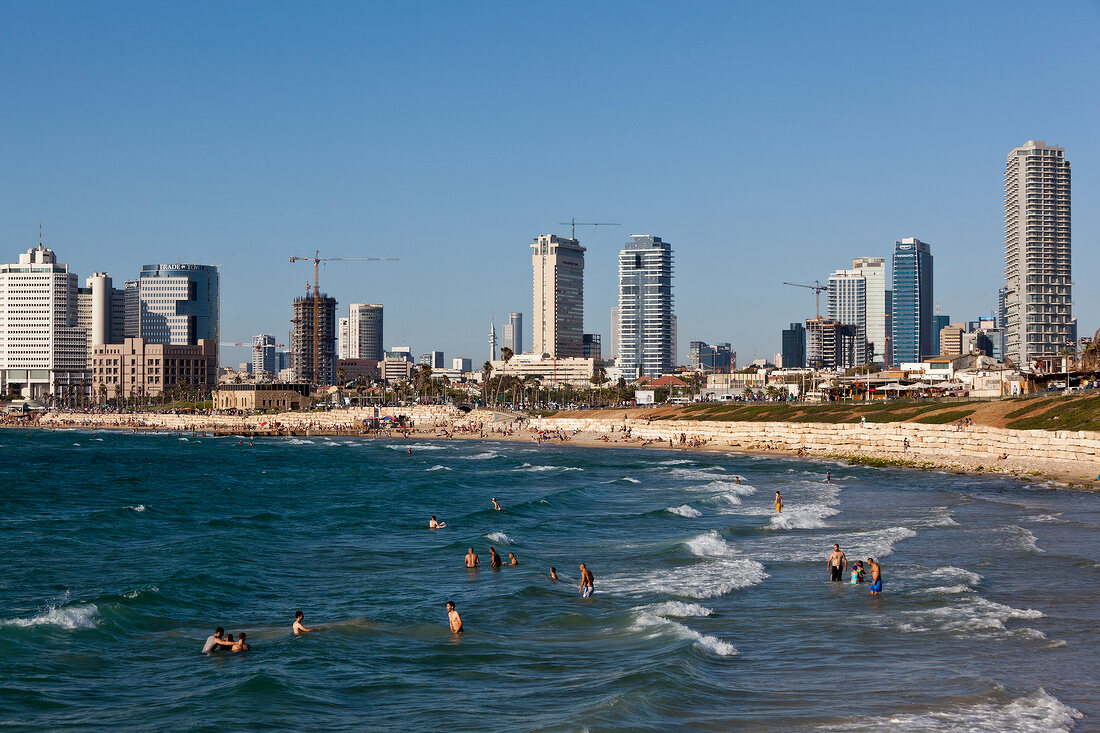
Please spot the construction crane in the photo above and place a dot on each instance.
(818, 288)
(317, 259)
(573, 224)
(248, 343)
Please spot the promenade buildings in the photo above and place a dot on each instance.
(43, 349)
(645, 343)
(136, 368)
(558, 312)
(174, 304)
(302, 343)
(913, 302)
(1037, 304)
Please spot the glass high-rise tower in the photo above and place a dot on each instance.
(646, 325)
(1037, 303)
(913, 304)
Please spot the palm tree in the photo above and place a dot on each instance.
(486, 374)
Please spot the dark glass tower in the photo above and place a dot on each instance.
(912, 311)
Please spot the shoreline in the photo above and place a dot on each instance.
(436, 423)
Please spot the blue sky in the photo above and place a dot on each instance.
(767, 142)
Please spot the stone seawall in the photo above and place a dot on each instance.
(938, 443)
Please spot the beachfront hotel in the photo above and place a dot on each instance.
(558, 314)
(43, 349)
(646, 343)
(1037, 303)
(911, 338)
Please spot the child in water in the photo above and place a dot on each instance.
(857, 572)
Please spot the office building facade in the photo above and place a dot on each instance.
(264, 358)
(877, 311)
(364, 332)
(1038, 303)
(558, 313)
(174, 304)
(513, 333)
(137, 369)
(913, 302)
(646, 330)
(593, 347)
(709, 358)
(848, 303)
(794, 346)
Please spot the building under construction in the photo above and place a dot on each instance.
(831, 344)
(302, 340)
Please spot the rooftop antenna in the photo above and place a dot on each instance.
(39, 235)
(573, 224)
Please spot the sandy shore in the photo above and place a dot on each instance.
(484, 425)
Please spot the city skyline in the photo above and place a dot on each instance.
(268, 178)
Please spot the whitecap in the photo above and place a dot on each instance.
(437, 467)
(73, 617)
(952, 572)
(299, 441)
(539, 469)
(1036, 712)
(948, 590)
(878, 543)
(418, 446)
(675, 462)
(679, 609)
(500, 538)
(1025, 538)
(711, 644)
(137, 508)
(482, 456)
(971, 615)
(139, 591)
(1055, 517)
(685, 510)
(810, 516)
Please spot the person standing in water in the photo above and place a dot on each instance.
(778, 503)
(553, 573)
(512, 559)
(494, 558)
(837, 564)
(433, 524)
(214, 641)
(876, 577)
(587, 582)
(496, 505)
(828, 475)
(453, 618)
(472, 560)
(298, 627)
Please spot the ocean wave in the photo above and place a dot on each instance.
(141, 591)
(499, 537)
(941, 517)
(812, 516)
(437, 467)
(529, 467)
(417, 446)
(972, 615)
(699, 475)
(952, 572)
(707, 643)
(675, 462)
(947, 590)
(485, 455)
(1055, 517)
(710, 544)
(1025, 538)
(678, 609)
(685, 511)
(300, 441)
(137, 507)
(710, 579)
(72, 617)
(628, 479)
(876, 543)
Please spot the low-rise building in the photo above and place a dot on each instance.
(575, 371)
(136, 368)
(263, 396)
(357, 370)
(396, 369)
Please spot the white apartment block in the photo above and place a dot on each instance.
(848, 304)
(874, 272)
(1038, 305)
(558, 313)
(43, 350)
(647, 327)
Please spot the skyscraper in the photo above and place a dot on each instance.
(43, 350)
(364, 338)
(174, 304)
(513, 333)
(878, 308)
(911, 340)
(938, 324)
(101, 310)
(558, 314)
(301, 340)
(264, 359)
(794, 346)
(1038, 307)
(612, 354)
(646, 345)
(848, 304)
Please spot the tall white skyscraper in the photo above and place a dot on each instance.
(612, 354)
(1038, 306)
(848, 304)
(558, 313)
(646, 345)
(878, 309)
(513, 333)
(43, 349)
(364, 337)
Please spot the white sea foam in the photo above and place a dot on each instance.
(299, 441)
(712, 644)
(416, 446)
(722, 570)
(685, 510)
(628, 479)
(947, 590)
(811, 516)
(1055, 517)
(529, 467)
(500, 538)
(137, 507)
(710, 544)
(72, 617)
(482, 456)
(877, 543)
(941, 517)
(699, 475)
(1036, 712)
(675, 462)
(139, 591)
(971, 615)
(679, 609)
(437, 467)
(952, 573)
(1025, 539)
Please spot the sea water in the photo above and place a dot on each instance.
(122, 552)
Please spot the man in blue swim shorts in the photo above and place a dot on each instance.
(876, 577)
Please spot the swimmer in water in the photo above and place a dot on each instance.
(214, 641)
(496, 505)
(494, 558)
(587, 582)
(433, 524)
(472, 560)
(778, 503)
(298, 627)
(737, 480)
(240, 645)
(453, 618)
(512, 559)
(828, 475)
(553, 573)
